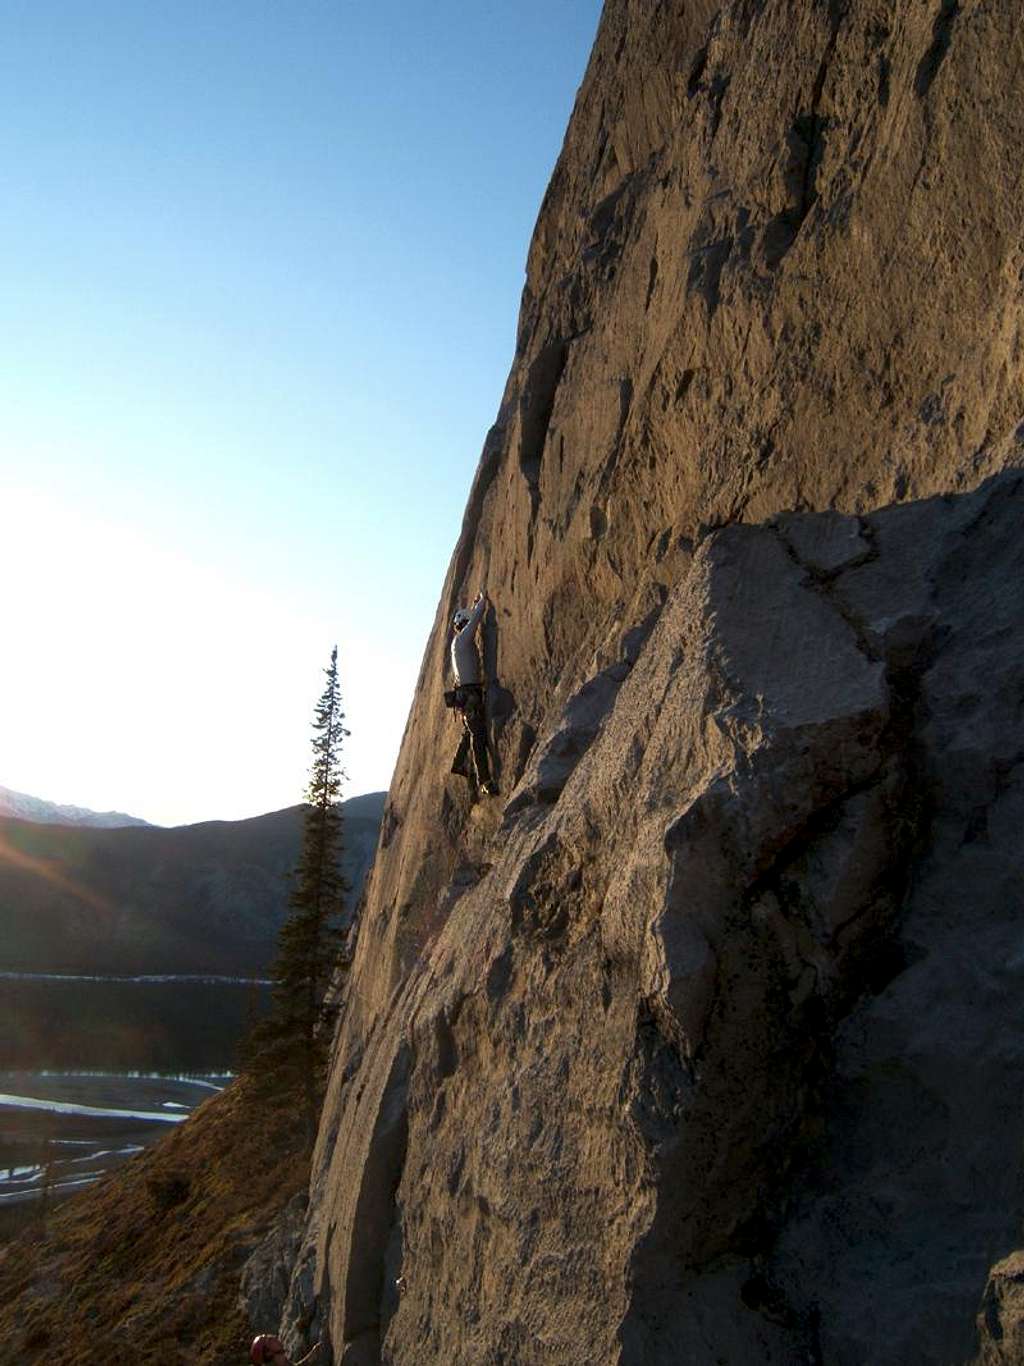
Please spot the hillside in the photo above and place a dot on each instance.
(205, 898)
(144, 1266)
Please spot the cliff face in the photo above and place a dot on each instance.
(700, 1043)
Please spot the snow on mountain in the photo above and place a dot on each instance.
(27, 808)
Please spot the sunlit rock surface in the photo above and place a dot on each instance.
(701, 1043)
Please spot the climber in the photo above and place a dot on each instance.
(268, 1350)
(469, 691)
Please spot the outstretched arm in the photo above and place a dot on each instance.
(475, 613)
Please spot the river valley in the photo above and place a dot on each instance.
(93, 1069)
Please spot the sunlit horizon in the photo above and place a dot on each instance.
(248, 682)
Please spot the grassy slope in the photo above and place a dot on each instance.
(144, 1266)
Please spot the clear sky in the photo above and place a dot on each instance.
(262, 266)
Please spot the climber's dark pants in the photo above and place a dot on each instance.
(470, 701)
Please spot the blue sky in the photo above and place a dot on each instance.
(262, 271)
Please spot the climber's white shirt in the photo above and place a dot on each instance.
(465, 660)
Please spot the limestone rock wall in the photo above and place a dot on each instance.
(700, 1043)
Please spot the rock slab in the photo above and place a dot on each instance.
(702, 1043)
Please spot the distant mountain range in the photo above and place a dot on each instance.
(27, 808)
(205, 898)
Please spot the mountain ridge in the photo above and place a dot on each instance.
(207, 897)
(43, 812)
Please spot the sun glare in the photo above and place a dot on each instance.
(139, 680)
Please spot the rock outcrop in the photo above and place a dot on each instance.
(702, 1042)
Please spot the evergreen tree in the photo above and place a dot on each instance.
(289, 1049)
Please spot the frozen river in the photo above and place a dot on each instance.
(95, 1068)
(59, 1131)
